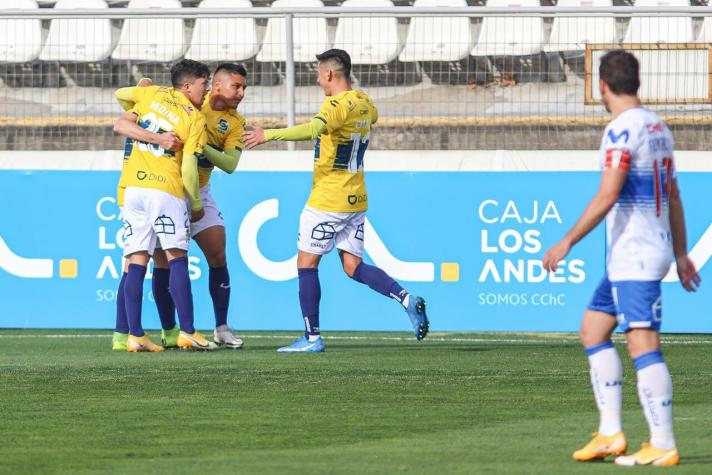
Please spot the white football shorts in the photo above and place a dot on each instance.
(212, 217)
(320, 230)
(150, 215)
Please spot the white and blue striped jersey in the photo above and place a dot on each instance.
(638, 225)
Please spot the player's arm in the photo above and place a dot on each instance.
(127, 125)
(126, 96)
(611, 184)
(193, 149)
(689, 278)
(309, 131)
(228, 159)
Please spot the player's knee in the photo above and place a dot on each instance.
(349, 268)
(217, 258)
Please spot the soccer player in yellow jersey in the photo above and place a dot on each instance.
(224, 147)
(156, 183)
(336, 209)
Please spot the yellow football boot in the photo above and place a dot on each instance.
(142, 344)
(648, 455)
(602, 446)
(195, 341)
(118, 341)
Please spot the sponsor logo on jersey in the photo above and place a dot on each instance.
(353, 199)
(614, 138)
(142, 175)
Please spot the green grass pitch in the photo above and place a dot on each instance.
(373, 403)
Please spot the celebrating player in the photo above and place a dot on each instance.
(336, 209)
(645, 225)
(156, 181)
(224, 130)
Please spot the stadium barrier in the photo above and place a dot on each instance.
(512, 74)
(465, 229)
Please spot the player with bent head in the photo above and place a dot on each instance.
(156, 182)
(640, 198)
(224, 126)
(336, 210)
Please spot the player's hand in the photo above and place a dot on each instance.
(197, 215)
(170, 141)
(689, 278)
(556, 254)
(144, 82)
(253, 136)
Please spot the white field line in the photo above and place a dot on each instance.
(543, 341)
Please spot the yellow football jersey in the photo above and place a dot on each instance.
(339, 184)
(162, 109)
(224, 129)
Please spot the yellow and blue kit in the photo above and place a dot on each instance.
(162, 109)
(224, 129)
(342, 130)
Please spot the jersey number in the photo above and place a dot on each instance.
(155, 124)
(663, 179)
(349, 156)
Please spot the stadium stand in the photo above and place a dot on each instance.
(149, 45)
(442, 46)
(514, 44)
(310, 38)
(20, 46)
(659, 29)
(374, 45)
(218, 40)
(86, 62)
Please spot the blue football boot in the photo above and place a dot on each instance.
(303, 345)
(418, 317)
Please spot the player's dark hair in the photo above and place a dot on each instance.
(186, 69)
(232, 68)
(338, 56)
(621, 71)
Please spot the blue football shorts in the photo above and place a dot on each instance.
(634, 303)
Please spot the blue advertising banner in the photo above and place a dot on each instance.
(471, 243)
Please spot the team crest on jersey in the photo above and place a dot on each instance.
(222, 126)
(614, 138)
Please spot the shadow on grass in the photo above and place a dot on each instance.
(696, 459)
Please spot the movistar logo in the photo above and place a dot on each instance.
(615, 138)
(35, 268)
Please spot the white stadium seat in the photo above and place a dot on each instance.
(224, 39)
(21, 39)
(151, 39)
(438, 38)
(660, 29)
(574, 33)
(310, 35)
(81, 40)
(510, 36)
(369, 40)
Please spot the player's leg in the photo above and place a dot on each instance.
(640, 305)
(350, 243)
(211, 241)
(139, 239)
(316, 238)
(160, 284)
(121, 329)
(606, 372)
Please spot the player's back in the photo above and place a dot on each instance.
(339, 183)
(638, 226)
(162, 109)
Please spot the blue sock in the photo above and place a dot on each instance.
(219, 283)
(379, 281)
(309, 297)
(162, 295)
(133, 293)
(122, 323)
(181, 293)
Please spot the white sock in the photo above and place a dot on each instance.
(607, 383)
(313, 337)
(405, 301)
(655, 393)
